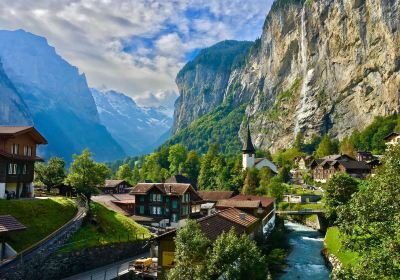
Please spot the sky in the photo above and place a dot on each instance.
(135, 46)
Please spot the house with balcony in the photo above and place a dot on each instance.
(18, 154)
(166, 203)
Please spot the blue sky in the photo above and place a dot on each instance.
(135, 46)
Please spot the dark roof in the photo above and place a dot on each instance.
(364, 153)
(18, 130)
(265, 201)
(113, 183)
(353, 164)
(9, 223)
(237, 216)
(215, 195)
(248, 145)
(227, 203)
(178, 179)
(166, 188)
(394, 133)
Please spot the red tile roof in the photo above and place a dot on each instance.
(9, 223)
(237, 216)
(224, 203)
(265, 201)
(215, 195)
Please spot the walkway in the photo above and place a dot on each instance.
(107, 272)
(301, 212)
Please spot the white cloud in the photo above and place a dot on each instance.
(94, 35)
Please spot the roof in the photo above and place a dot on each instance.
(113, 183)
(394, 133)
(138, 218)
(238, 203)
(237, 216)
(165, 188)
(123, 196)
(208, 205)
(353, 164)
(265, 201)
(8, 223)
(215, 195)
(178, 179)
(248, 144)
(107, 201)
(19, 130)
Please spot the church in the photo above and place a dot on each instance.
(249, 159)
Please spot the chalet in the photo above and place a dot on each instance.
(212, 226)
(115, 186)
(333, 164)
(249, 159)
(18, 154)
(392, 139)
(303, 163)
(364, 156)
(170, 202)
(214, 196)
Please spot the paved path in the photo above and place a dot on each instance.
(301, 212)
(107, 272)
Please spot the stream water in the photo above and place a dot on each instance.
(305, 260)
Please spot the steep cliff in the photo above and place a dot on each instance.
(202, 82)
(136, 129)
(57, 96)
(327, 66)
(13, 110)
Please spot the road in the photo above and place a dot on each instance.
(107, 272)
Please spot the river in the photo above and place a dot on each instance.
(305, 260)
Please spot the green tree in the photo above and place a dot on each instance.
(264, 177)
(190, 251)
(191, 167)
(151, 169)
(299, 141)
(326, 147)
(370, 223)
(176, 158)
(276, 189)
(124, 173)
(347, 147)
(235, 257)
(250, 182)
(85, 174)
(135, 175)
(206, 176)
(339, 189)
(50, 174)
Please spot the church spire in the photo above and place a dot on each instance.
(248, 147)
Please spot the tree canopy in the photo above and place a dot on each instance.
(50, 174)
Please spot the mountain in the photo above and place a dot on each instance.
(57, 97)
(13, 110)
(136, 129)
(327, 66)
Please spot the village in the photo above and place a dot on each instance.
(164, 207)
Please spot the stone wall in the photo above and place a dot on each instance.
(61, 265)
(32, 264)
(333, 263)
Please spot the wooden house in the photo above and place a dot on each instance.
(115, 186)
(166, 201)
(392, 139)
(18, 154)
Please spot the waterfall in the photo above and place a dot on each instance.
(307, 74)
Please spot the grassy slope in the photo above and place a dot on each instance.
(111, 227)
(334, 246)
(40, 216)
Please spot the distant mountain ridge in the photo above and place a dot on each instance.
(57, 97)
(137, 129)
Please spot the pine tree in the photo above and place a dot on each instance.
(250, 182)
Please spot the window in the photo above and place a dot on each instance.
(141, 209)
(24, 169)
(14, 149)
(155, 210)
(167, 199)
(185, 210)
(155, 197)
(174, 218)
(174, 204)
(12, 169)
(28, 151)
(141, 198)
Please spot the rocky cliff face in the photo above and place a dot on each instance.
(13, 110)
(202, 82)
(57, 97)
(327, 66)
(137, 129)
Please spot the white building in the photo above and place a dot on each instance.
(249, 159)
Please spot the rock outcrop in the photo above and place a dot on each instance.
(327, 66)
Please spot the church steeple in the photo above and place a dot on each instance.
(248, 147)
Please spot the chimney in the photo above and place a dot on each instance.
(242, 216)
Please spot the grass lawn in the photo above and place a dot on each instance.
(299, 206)
(40, 216)
(110, 227)
(334, 246)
